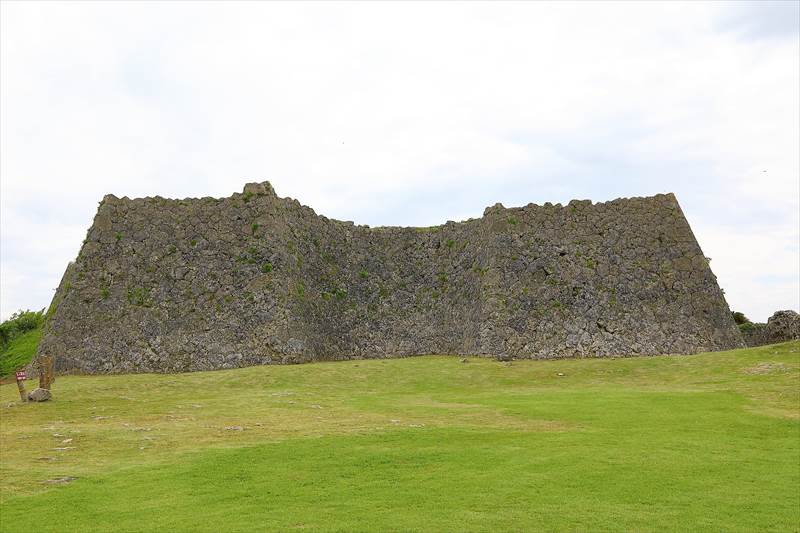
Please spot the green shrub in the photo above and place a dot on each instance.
(739, 318)
(748, 327)
(266, 268)
(363, 274)
(19, 323)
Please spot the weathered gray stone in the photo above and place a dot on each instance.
(781, 327)
(784, 326)
(196, 284)
(39, 395)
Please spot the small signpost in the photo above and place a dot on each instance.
(21, 376)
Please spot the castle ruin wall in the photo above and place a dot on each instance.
(196, 284)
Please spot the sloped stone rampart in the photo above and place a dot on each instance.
(177, 285)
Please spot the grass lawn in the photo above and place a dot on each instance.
(709, 442)
(19, 352)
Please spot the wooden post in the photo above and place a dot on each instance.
(20, 375)
(46, 373)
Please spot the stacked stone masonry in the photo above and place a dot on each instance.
(781, 327)
(196, 284)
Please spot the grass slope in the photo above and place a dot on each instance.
(709, 442)
(19, 352)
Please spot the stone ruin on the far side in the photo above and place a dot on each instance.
(782, 326)
(174, 285)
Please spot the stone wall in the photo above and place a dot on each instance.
(782, 326)
(175, 285)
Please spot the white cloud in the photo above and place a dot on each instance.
(394, 113)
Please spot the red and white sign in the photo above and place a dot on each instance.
(21, 375)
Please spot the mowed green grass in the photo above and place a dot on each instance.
(709, 442)
(19, 352)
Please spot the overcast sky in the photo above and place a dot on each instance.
(405, 114)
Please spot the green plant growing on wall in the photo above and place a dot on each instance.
(300, 289)
(139, 296)
(480, 270)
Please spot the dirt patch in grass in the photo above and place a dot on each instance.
(767, 368)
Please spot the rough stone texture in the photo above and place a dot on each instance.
(174, 285)
(781, 327)
(39, 395)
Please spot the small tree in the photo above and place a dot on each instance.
(739, 318)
